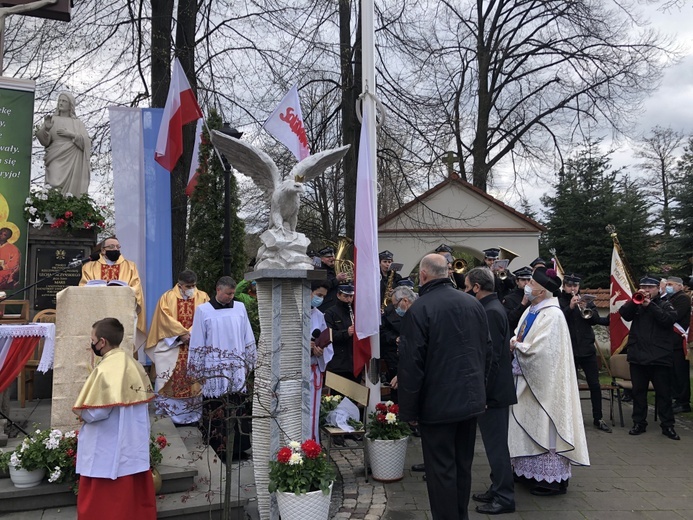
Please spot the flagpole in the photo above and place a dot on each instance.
(368, 97)
(611, 229)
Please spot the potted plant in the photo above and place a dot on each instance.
(65, 212)
(156, 444)
(45, 451)
(302, 477)
(386, 442)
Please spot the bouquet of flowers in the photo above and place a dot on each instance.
(69, 212)
(51, 449)
(384, 423)
(327, 404)
(156, 444)
(301, 468)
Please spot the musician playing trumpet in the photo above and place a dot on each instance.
(388, 279)
(580, 323)
(505, 281)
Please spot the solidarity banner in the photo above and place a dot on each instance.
(286, 125)
(16, 125)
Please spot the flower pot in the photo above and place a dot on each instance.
(311, 506)
(22, 478)
(386, 458)
(156, 477)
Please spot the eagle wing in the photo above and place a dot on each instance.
(312, 166)
(248, 160)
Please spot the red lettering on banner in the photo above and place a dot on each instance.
(296, 125)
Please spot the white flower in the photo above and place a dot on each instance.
(32, 211)
(37, 432)
(15, 461)
(51, 443)
(391, 418)
(25, 445)
(55, 475)
(295, 459)
(295, 446)
(28, 201)
(70, 435)
(389, 403)
(68, 194)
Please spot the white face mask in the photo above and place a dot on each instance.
(528, 293)
(189, 293)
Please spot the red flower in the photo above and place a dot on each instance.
(87, 225)
(284, 455)
(311, 448)
(70, 452)
(68, 214)
(100, 224)
(380, 407)
(380, 417)
(394, 409)
(161, 441)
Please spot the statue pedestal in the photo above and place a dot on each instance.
(282, 377)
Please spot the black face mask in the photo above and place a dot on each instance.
(470, 292)
(94, 349)
(113, 255)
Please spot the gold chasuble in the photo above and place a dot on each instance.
(118, 380)
(172, 318)
(124, 270)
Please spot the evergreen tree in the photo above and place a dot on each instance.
(588, 197)
(683, 211)
(206, 225)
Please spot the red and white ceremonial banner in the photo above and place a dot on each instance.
(620, 293)
(286, 125)
(366, 268)
(195, 162)
(181, 108)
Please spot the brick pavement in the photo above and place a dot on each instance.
(647, 477)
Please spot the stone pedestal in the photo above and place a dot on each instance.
(282, 378)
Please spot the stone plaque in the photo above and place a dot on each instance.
(51, 262)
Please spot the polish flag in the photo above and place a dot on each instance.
(620, 293)
(181, 108)
(286, 125)
(195, 163)
(366, 269)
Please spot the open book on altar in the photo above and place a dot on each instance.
(102, 283)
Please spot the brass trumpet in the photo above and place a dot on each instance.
(638, 298)
(459, 266)
(341, 263)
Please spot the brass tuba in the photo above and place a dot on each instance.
(459, 266)
(341, 263)
(506, 254)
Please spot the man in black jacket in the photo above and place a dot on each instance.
(516, 302)
(681, 380)
(444, 353)
(327, 262)
(582, 339)
(649, 355)
(500, 394)
(340, 318)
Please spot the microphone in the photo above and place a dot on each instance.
(78, 262)
(315, 334)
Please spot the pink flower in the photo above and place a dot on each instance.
(68, 214)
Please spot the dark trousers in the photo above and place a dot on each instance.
(681, 380)
(448, 451)
(493, 424)
(215, 412)
(591, 369)
(660, 376)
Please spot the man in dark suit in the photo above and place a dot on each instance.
(445, 350)
(516, 302)
(500, 394)
(681, 380)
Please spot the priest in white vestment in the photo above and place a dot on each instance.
(222, 354)
(113, 445)
(546, 433)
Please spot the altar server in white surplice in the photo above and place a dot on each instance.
(222, 354)
(320, 354)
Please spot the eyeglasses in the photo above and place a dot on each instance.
(112, 248)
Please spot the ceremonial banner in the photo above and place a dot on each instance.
(367, 271)
(286, 125)
(620, 294)
(16, 126)
(181, 108)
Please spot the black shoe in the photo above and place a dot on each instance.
(602, 426)
(415, 431)
(627, 398)
(486, 497)
(494, 508)
(418, 467)
(637, 429)
(671, 433)
(547, 492)
(681, 408)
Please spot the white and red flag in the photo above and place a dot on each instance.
(195, 162)
(286, 125)
(181, 108)
(620, 293)
(367, 271)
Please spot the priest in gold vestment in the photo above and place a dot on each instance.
(178, 396)
(112, 266)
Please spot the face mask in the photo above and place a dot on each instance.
(113, 255)
(94, 349)
(669, 289)
(528, 293)
(470, 292)
(316, 301)
(189, 293)
(400, 312)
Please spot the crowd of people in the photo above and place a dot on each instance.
(481, 347)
